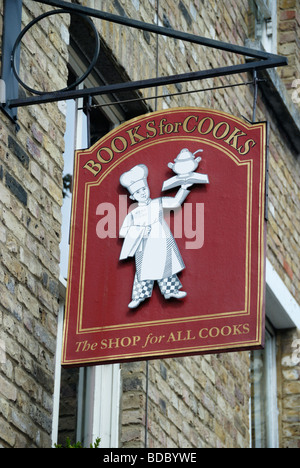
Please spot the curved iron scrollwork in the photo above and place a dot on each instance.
(260, 60)
(35, 21)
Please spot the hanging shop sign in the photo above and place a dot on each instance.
(167, 249)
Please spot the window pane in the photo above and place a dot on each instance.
(264, 395)
(258, 400)
(266, 23)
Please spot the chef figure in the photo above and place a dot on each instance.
(148, 238)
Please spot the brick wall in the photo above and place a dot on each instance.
(30, 222)
(192, 402)
(195, 402)
(289, 389)
(288, 39)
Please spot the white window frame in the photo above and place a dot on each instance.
(58, 356)
(283, 312)
(272, 436)
(266, 417)
(99, 405)
(266, 24)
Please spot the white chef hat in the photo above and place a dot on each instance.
(135, 179)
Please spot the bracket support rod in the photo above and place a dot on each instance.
(153, 28)
(135, 85)
(259, 60)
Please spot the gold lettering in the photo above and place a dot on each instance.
(93, 167)
(189, 337)
(225, 132)
(124, 342)
(171, 337)
(161, 126)
(85, 346)
(201, 333)
(210, 127)
(113, 343)
(151, 129)
(229, 331)
(177, 125)
(232, 140)
(169, 128)
(123, 142)
(181, 335)
(129, 341)
(237, 330)
(103, 344)
(135, 340)
(134, 136)
(152, 339)
(214, 332)
(185, 124)
(248, 145)
(109, 152)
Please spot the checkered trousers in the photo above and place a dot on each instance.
(143, 289)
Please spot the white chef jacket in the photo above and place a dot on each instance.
(148, 237)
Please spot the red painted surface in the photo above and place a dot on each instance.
(220, 233)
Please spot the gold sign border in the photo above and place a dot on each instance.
(261, 243)
(246, 311)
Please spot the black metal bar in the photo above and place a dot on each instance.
(88, 122)
(152, 28)
(11, 30)
(149, 83)
(180, 93)
(255, 82)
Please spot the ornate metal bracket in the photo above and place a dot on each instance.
(257, 59)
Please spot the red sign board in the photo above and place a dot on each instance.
(167, 254)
